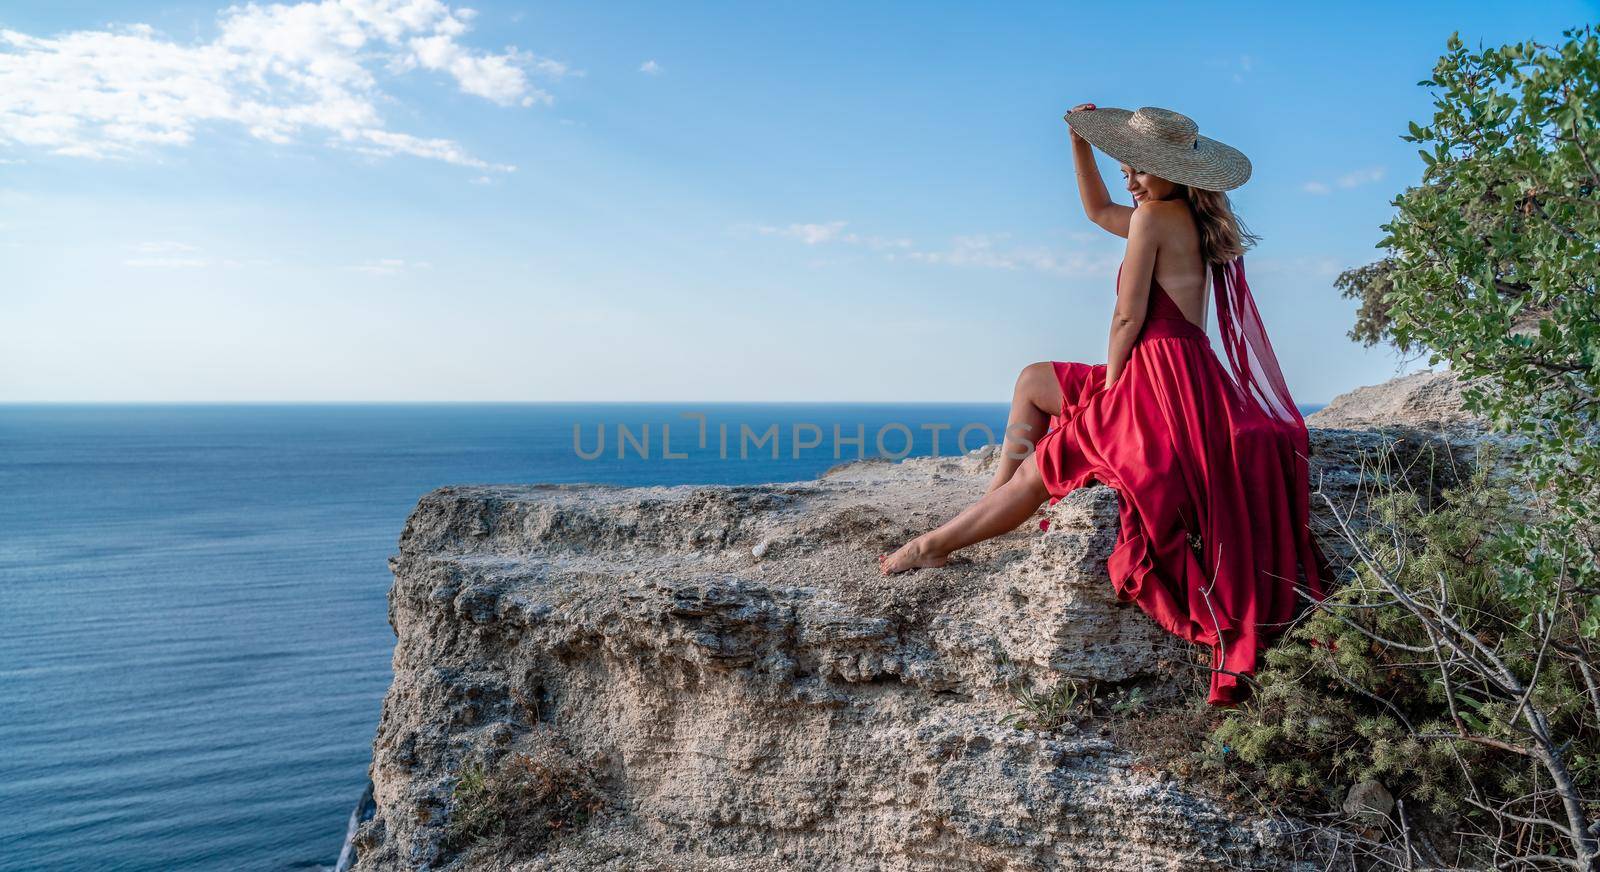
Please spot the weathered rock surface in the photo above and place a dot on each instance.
(748, 693)
(1428, 400)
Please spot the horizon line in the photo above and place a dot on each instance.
(23, 403)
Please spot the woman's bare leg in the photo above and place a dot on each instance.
(1037, 396)
(999, 511)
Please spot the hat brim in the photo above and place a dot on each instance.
(1211, 165)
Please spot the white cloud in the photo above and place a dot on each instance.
(390, 266)
(164, 254)
(1245, 65)
(383, 143)
(165, 262)
(1237, 67)
(989, 251)
(877, 243)
(1361, 177)
(1319, 266)
(1351, 179)
(650, 68)
(969, 251)
(167, 247)
(280, 71)
(494, 77)
(810, 234)
(832, 231)
(552, 68)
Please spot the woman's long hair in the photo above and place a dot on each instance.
(1223, 236)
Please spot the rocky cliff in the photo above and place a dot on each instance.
(717, 678)
(1427, 399)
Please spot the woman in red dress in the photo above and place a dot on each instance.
(1209, 461)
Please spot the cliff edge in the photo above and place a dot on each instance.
(717, 678)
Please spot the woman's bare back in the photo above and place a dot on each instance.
(1180, 268)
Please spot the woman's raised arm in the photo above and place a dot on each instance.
(1092, 189)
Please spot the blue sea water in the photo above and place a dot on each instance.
(194, 639)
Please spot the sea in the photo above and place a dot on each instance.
(194, 637)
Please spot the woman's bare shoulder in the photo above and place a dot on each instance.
(1164, 212)
(1169, 221)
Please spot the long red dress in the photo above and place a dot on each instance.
(1211, 471)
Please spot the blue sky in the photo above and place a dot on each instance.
(401, 200)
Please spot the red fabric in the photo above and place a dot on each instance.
(1192, 453)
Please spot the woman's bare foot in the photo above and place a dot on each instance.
(912, 555)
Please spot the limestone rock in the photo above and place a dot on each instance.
(1428, 400)
(1368, 803)
(792, 709)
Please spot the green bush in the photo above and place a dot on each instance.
(1393, 678)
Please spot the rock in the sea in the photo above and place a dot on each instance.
(612, 665)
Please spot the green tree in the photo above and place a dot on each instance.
(1490, 265)
(1460, 666)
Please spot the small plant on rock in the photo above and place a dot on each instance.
(1051, 709)
(1131, 702)
(518, 804)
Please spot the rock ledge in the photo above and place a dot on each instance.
(745, 692)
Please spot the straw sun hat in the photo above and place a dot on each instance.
(1164, 143)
